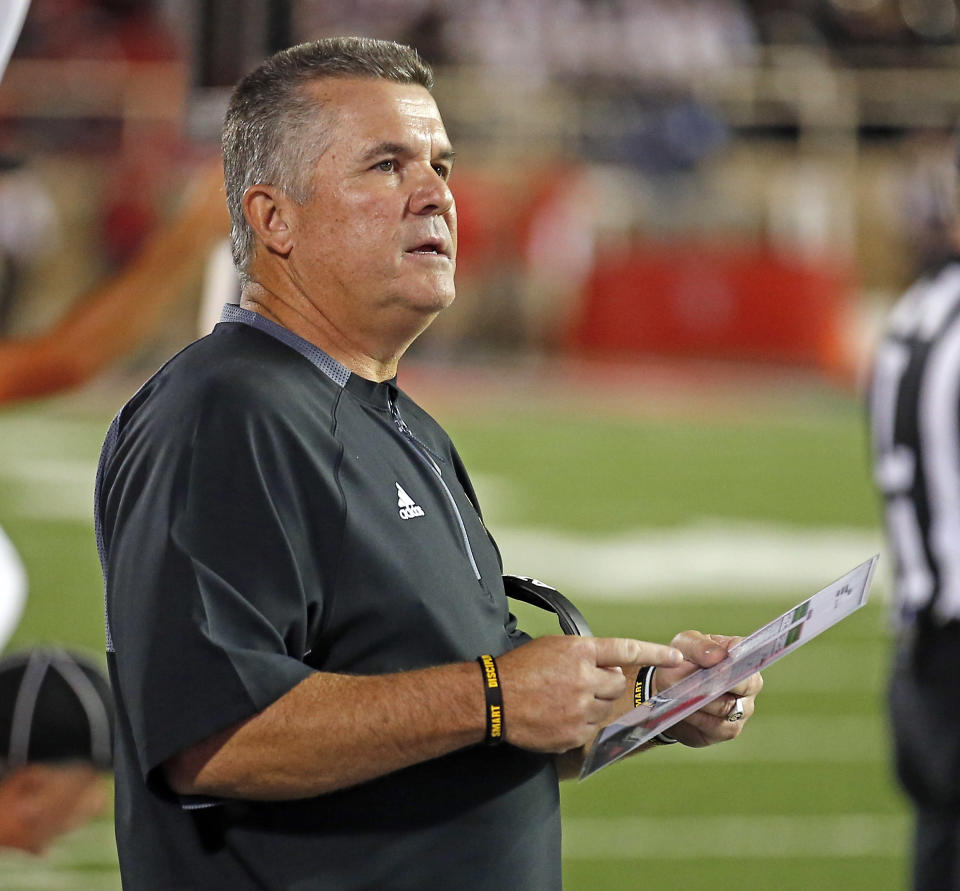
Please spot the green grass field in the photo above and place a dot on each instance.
(737, 512)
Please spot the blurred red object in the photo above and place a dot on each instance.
(717, 302)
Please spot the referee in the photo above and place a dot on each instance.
(915, 430)
(56, 720)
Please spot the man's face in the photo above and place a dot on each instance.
(375, 242)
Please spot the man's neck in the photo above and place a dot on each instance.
(309, 322)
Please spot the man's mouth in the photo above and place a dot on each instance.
(431, 247)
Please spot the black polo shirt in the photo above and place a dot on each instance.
(261, 514)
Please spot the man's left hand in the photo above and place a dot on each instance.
(709, 724)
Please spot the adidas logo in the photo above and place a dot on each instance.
(408, 507)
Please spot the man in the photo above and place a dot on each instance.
(299, 583)
(55, 729)
(914, 404)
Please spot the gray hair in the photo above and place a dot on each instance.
(272, 132)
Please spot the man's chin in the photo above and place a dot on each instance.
(445, 301)
(433, 302)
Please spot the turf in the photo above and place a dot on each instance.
(803, 800)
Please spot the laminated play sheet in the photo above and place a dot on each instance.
(767, 644)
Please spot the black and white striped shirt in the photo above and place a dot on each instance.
(915, 430)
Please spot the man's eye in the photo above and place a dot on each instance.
(442, 172)
(387, 166)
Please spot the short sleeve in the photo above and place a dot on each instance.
(212, 585)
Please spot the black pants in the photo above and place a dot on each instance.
(936, 850)
(925, 711)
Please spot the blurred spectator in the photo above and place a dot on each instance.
(28, 230)
(427, 33)
(630, 41)
(56, 719)
(96, 29)
(929, 200)
(121, 312)
(126, 33)
(855, 27)
(366, 18)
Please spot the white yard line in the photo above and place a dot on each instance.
(703, 559)
(53, 471)
(857, 739)
(48, 488)
(708, 558)
(711, 557)
(760, 836)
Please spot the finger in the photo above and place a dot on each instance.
(704, 729)
(725, 640)
(724, 705)
(701, 649)
(719, 707)
(619, 651)
(610, 684)
(663, 678)
(599, 712)
(750, 686)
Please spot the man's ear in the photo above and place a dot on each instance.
(268, 212)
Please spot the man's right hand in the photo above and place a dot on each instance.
(559, 691)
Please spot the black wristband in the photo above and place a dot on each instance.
(494, 697)
(641, 694)
(641, 689)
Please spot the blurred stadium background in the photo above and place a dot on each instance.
(681, 221)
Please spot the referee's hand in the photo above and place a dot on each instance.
(558, 691)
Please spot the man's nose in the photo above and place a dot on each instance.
(431, 195)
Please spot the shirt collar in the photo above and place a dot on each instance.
(338, 373)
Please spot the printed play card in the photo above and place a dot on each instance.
(775, 639)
